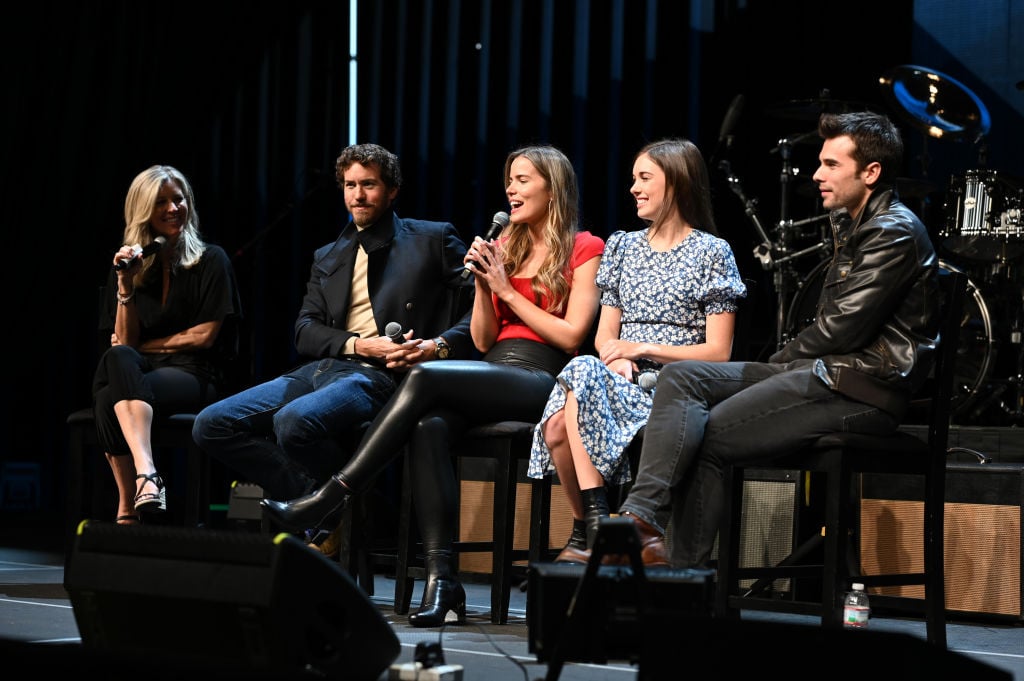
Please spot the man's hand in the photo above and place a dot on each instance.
(412, 351)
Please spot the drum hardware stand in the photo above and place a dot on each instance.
(1002, 393)
(1016, 411)
(982, 150)
(775, 257)
(785, 150)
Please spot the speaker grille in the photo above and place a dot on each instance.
(767, 524)
(983, 552)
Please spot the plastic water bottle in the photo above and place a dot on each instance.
(856, 609)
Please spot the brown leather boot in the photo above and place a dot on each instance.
(653, 552)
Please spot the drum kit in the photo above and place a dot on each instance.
(981, 234)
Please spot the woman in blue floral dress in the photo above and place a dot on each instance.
(668, 292)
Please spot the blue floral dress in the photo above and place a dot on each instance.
(665, 298)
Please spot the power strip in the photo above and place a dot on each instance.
(415, 671)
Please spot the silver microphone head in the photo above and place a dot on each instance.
(647, 381)
(394, 331)
(499, 222)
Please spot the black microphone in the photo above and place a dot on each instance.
(394, 331)
(499, 222)
(731, 116)
(151, 248)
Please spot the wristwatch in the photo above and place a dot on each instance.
(443, 349)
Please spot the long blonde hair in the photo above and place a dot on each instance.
(553, 276)
(138, 210)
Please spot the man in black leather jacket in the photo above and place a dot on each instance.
(853, 368)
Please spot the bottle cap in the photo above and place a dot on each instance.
(857, 586)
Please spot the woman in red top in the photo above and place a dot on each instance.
(535, 303)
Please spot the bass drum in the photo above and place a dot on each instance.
(977, 345)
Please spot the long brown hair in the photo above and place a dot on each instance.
(687, 187)
(552, 277)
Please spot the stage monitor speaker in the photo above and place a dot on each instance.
(238, 603)
(609, 623)
(983, 551)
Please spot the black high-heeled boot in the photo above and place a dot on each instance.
(443, 594)
(595, 507)
(576, 551)
(318, 510)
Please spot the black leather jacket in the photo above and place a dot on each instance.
(876, 326)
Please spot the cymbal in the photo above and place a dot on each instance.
(811, 109)
(810, 137)
(936, 103)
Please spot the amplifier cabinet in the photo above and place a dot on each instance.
(983, 552)
(768, 525)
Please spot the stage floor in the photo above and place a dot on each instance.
(35, 610)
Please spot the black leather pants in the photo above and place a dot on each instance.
(477, 391)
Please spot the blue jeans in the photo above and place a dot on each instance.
(289, 434)
(710, 415)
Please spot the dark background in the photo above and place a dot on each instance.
(253, 105)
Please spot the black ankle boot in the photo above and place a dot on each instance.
(320, 509)
(442, 594)
(576, 550)
(595, 506)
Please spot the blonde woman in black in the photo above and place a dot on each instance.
(166, 300)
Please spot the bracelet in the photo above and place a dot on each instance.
(124, 300)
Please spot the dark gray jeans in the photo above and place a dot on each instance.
(709, 415)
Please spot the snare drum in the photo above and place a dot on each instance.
(983, 217)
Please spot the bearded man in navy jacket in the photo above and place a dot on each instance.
(289, 434)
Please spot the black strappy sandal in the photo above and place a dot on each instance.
(151, 502)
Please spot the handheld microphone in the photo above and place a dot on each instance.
(647, 381)
(151, 248)
(499, 222)
(394, 331)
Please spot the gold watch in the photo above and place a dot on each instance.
(443, 350)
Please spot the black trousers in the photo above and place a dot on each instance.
(123, 373)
